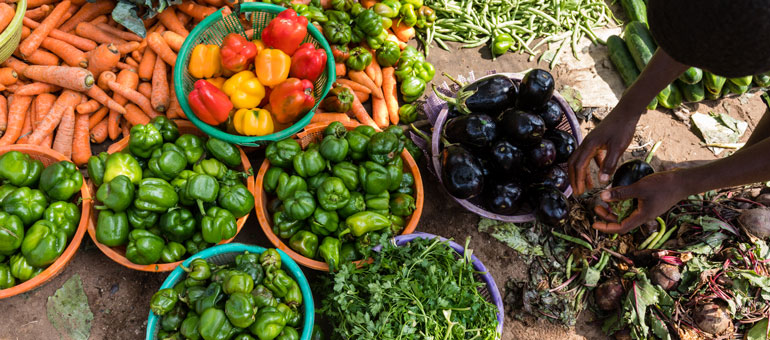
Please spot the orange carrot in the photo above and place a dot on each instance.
(36, 88)
(132, 62)
(137, 55)
(330, 117)
(38, 3)
(43, 104)
(134, 96)
(67, 99)
(41, 57)
(17, 112)
(173, 40)
(360, 112)
(3, 114)
(389, 90)
(81, 145)
(26, 129)
(102, 19)
(37, 13)
(402, 31)
(82, 44)
(340, 69)
(380, 112)
(125, 127)
(355, 86)
(104, 79)
(103, 58)
(125, 35)
(6, 14)
(73, 78)
(147, 65)
(145, 89)
(128, 47)
(135, 116)
(100, 96)
(198, 12)
(159, 95)
(89, 31)
(25, 32)
(361, 78)
(65, 132)
(29, 45)
(169, 19)
(70, 12)
(16, 64)
(377, 74)
(184, 18)
(88, 12)
(8, 76)
(97, 117)
(370, 71)
(128, 79)
(174, 109)
(68, 53)
(113, 125)
(88, 107)
(368, 3)
(124, 66)
(362, 96)
(158, 44)
(99, 132)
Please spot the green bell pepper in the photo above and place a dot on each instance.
(383, 147)
(342, 5)
(28, 204)
(369, 22)
(288, 185)
(356, 203)
(249, 264)
(195, 244)
(410, 54)
(21, 269)
(309, 163)
(61, 180)
(141, 219)
(167, 128)
(238, 281)
(395, 171)
(402, 205)
(413, 149)
(270, 260)
(218, 225)
(324, 222)
(122, 164)
(358, 141)
(387, 8)
(335, 129)
(6, 279)
(359, 58)
(263, 297)
(214, 325)
(386, 23)
(5, 190)
(199, 270)
(334, 148)
(163, 301)
(237, 199)
(156, 195)
(282, 153)
(378, 202)
(211, 167)
(288, 333)
(112, 228)
(240, 309)
(376, 41)
(338, 15)
(388, 54)
(407, 184)
(172, 321)
(316, 14)
(95, 168)
(167, 161)
(144, 247)
(179, 184)
(278, 282)
(423, 70)
(348, 252)
(348, 173)
(178, 224)
(11, 233)
(117, 194)
(203, 189)
(300, 205)
(211, 297)
(189, 328)
(244, 336)
(412, 87)
(363, 222)
(501, 43)
(270, 181)
(224, 152)
(407, 113)
(397, 224)
(144, 140)
(426, 16)
(20, 170)
(408, 15)
(305, 243)
(330, 252)
(356, 35)
(289, 309)
(268, 324)
(313, 183)
(375, 179)
(332, 194)
(192, 147)
(285, 227)
(172, 252)
(337, 32)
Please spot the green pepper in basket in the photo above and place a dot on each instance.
(358, 143)
(249, 264)
(383, 147)
(330, 252)
(363, 222)
(214, 325)
(11, 233)
(189, 327)
(334, 148)
(369, 22)
(178, 224)
(374, 177)
(43, 243)
(270, 181)
(141, 219)
(263, 297)
(65, 215)
(144, 247)
(288, 185)
(408, 15)
(356, 36)
(388, 8)
(210, 298)
(112, 228)
(236, 198)
(324, 222)
(239, 282)
(289, 306)
(337, 32)
(285, 227)
(339, 99)
(173, 319)
(395, 170)
(300, 205)
(309, 163)
(407, 184)
(18, 169)
(22, 270)
(224, 151)
(28, 204)
(163, 301)
(144, 140)
(61, 180)
(167, 128)
(268, 324)
(359, 59)
(167, 161)
(270, 260)
(376, 41)
(5, 190)
(211, 167)
(192, 146)
(116, 195)
(402, 204)
(338, 16)
(240, 309)
(348, 173)
(203, 189)
(314, 182)
(156, 195)
(218, 225)
(379, 202)
(172, 252)
(282, 153)
(196, 244)
(6, 279)
(355, 204)
(199, 270)
(412, 88)
(388, 54)
(305, 243)
(332, 194)
(288, 333)
(407, 113)
(348, 252)
(122, 164)
(278, 282)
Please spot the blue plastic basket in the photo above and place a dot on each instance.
(226, 253)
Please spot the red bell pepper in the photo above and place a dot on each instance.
(290, 99)
(209, 103)
(308, 62)
(237, 52)
(286, 31)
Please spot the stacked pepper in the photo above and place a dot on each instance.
(333, 199)
(34, 233)
(163, 199)
(252, 297)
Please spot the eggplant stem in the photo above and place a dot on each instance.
(655, 147)
(452, 79)
(420, 133)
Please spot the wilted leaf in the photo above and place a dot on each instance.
(68, 310)
(511, 235)
(125, 14)
(758, 331)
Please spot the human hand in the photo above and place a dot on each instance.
(655, 194)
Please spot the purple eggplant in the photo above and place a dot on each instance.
(564, 142)
(552, 206)
(523, 128)
(490, 96)
(555, 176)
(535, 90)
(461, 172)
(542, 155)
(477, 131)
(631, 172)
(507, 157)
(551, 114)
(504, 198)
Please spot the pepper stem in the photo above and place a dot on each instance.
(100, 207)
(200, 206)
(655, 148)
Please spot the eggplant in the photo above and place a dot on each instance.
(504, 198)
(535, 90)
(555, 176)
(631, 172)
(523, 128)
(461, 172)
(478, 131)
(552, 206)
(551, 114)
(507, 157)
(564, 142)
(490, 96)
(542, 155)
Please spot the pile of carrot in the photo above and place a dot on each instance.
(78, 77)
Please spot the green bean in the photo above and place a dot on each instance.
(441, 43)
(555, 59)
(572, 239)
(477, 44)
(664, 238)
(569, 265)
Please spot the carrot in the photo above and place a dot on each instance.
(102, 19)
(380, 112)
(103, 58)
(17, 112)
(134, 96)
(8, 76)
(100, 96)
(43, 104)
(37, 13)
(73, 78)
(355, 86)
(36, 88)
(68, 53)
(25, 32)
(330, 117)
(88, 107)
(169, 19)
(174, 109)
(132, 62)
(147, 65)
(104, 79)
(82, 44)
(16, 64)
(361, 78)
(6, 14)
(125, 35)
(70, 12)
(173, 40)
(125, 127)
(391, 96)
(362, 96)
(128, 47)
(392, 37)
(158, 44)
(159, 95)
(184, 18)
(26, 129)
(340, 69)
(89, 31)
(368, 3)
(99, 132)
(145, 89)
(113, 125)
(135, 116)
(377, 74)
(64, 133)
(402, 31)
(3, 114)
(360, 112)
(124, 66)
(88, 12)
(41, 57)
(67, 99)
(38, 3)
(29, 45)
(97, 117)
(81, 145)
(198, 12)
(370, 71)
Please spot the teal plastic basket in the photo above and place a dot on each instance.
(212, 30)
(226, 253)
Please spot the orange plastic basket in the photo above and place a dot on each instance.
(118, 254)
(314, 134)
(48, 157)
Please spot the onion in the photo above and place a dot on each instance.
(714, 319)
(608, 295)
(665, 275)
(756, 222)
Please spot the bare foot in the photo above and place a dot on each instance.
(668, 165)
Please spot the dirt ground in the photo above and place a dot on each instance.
(119, 297)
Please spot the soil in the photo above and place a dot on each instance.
(119, 297)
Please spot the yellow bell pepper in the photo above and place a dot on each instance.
(205, 61)
(260, 45)
(253, 122)
(218, 82)
(272, 66)
(244, 89)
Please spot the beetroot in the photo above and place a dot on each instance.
(713, 318)
(665, 275)
(608, 295)
(756, 222)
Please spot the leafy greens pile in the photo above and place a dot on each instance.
(127, 12)
(422, 290)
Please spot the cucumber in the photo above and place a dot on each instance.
(713, 83)
(641, 47)
(693, 75)
(622, 59)
(640, 29)
(636, 10)
(713, 96)
(742, 81)
(653, 104)
(670, 97)
(693, 93)
(762, 80)
(737, 89)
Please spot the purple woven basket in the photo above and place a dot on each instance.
(491, 293)
(569, 124)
